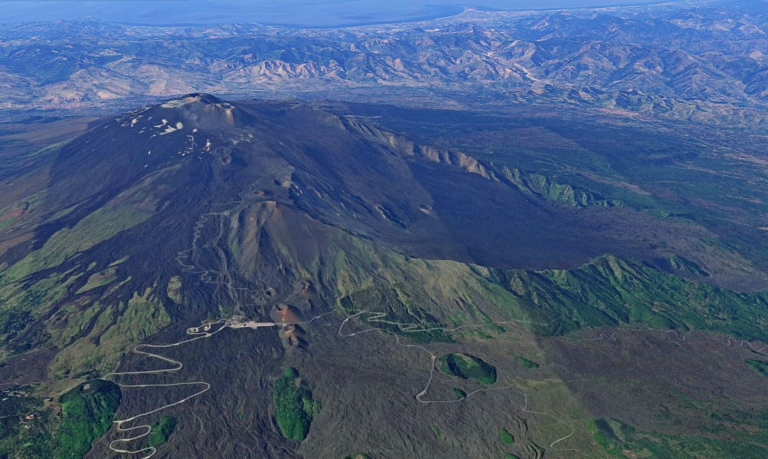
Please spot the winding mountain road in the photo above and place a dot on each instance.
(203, 331)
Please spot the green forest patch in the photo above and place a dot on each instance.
(466, 366)
(759, 366)
(23, 427)
(460, 394)
(293, 405)
(526, 363)
(30, 429)
(506, 437)
(87, 412)
(161, 431)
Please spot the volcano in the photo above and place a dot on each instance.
(167, 240)
(286, 176)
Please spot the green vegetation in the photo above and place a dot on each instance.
(682, 447)
(511, 456)
(87, 412)
(21, 437)
(174, 289)
(616, 438)
(397, 317)
(506, 437)
(99, 279)
(6, 221)
(38, 304)
(14, 322)
(459, 393)
(610, 291)
(68, 242)
(607, 291)
(357, 456)
(293, 404)
(608, 433)
(526, 363)
(468, 367)
(20, 307)
(28, 428)
(161, 431)
(108, 339)
(543, 187)
(759, 366)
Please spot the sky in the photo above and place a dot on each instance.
(308, 13)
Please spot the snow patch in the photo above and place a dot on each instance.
(168, 130)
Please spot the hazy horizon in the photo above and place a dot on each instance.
(329, 13)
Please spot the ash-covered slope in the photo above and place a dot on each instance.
(217, 151)
(187, 154)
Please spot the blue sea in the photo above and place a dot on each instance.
(305, 13)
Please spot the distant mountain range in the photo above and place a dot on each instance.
(704, 62)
